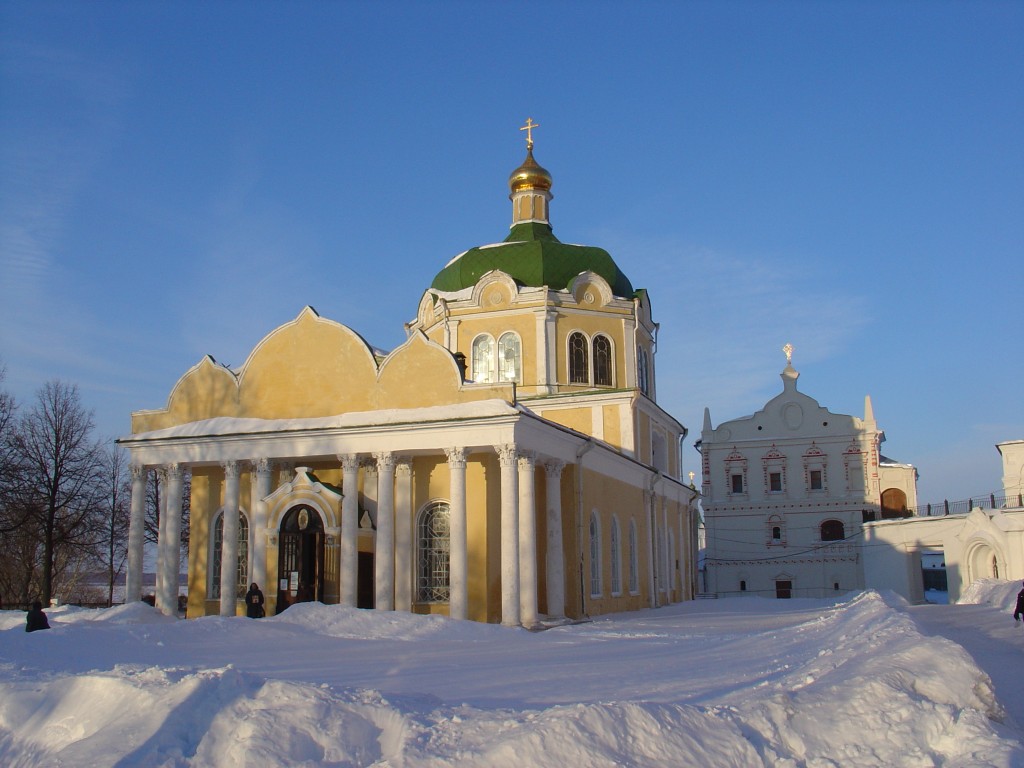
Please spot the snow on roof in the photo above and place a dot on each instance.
(228, 425)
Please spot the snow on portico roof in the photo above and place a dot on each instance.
(228, 425)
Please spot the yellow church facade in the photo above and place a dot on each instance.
(507, 463)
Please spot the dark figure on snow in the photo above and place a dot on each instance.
(1018, 610)
(36, 619)
(254, 602)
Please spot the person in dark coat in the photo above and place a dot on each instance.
(36, 619)
(254, 602)
(1018, 610)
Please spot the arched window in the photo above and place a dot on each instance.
(776, 530)
(579, 364)
(242, 581)
(510, 358)
(616, 548)
(433, 545)
(832, 530)
(643, 371)
(602, 361)
(483, 359)
(634, 570)
(595, 557)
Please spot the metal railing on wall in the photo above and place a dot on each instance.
(963, 506)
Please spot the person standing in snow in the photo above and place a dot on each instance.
(1018, 610)
(35, 618)
(254, 602)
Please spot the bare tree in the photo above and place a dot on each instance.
(116, 514)
(59, 460)
(154, 492)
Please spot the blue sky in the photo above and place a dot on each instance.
(179, 179)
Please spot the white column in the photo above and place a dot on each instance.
(458, 598)
(527, 541)
(403, 535)
(263, 469)
(555, 560)
(349, 529)
(168, 596)
(384, 559)
(509, 536)
(229, 543)
(136, 535)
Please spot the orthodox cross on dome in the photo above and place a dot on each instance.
(788, 349)
(530, 125)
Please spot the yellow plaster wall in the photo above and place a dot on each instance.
(580, 419)
(613, 425)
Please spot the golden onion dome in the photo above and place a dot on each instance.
(529, 175)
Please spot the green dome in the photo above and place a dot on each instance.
(532, 256)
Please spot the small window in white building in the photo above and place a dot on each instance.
(775, 482)
(737, 483)
(816, 483)
(833, 530)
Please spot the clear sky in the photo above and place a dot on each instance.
(178, 179)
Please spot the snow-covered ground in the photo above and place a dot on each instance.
(866, 681)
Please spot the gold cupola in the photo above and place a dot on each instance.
(530, 185)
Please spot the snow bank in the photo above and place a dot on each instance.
(709, 683)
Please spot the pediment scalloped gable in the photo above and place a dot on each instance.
(312, 367)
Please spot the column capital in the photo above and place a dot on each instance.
(173, 470)
(403, 466)
(263, 464)
(137, 471)
(456, 457)
(384, 459)
(527, 459)
(507, 454)
(349, 461)
(554, 468)
(231, 468)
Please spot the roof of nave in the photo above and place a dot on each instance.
(532, 256)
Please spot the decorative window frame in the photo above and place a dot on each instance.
(854, 465)
(774, 461)
(213, 585)
(736, 464)
(499, 346)
(771, 523)
(611, 360)
(815, 460)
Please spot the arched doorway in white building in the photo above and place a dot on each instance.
(983, 561)
(300, 558)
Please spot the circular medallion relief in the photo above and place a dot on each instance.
(588, 297)
(792, 415)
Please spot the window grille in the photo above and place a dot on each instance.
(433, 582)
(578, 363)
(602, 361)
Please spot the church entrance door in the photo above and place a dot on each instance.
(300, 557)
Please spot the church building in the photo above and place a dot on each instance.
(507, 463)
(786, 492)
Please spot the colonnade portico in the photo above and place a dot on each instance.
(388, 486)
